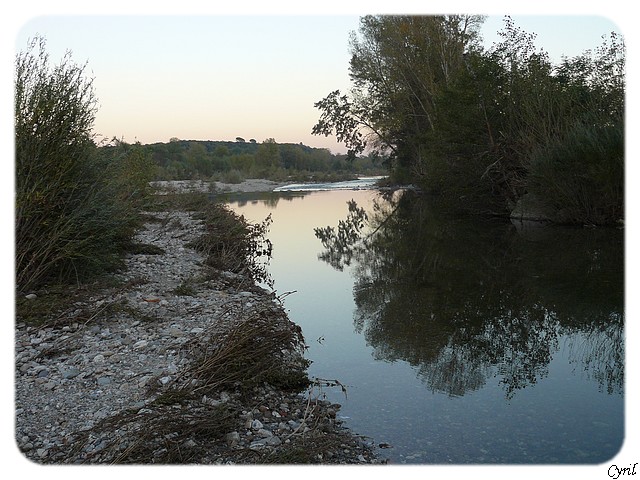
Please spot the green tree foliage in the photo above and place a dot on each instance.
(267, 156)
(73, 206)
(398, 67)
(198, 160)
(221, 160)
(579, 172)
(473, 125)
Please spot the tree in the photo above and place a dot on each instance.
(489, 118)
(267, 156)
(221, 151)
(199, 160)
(398, 67)
(578, 173)
(472, 125)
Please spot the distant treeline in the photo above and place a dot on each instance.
(234, 161)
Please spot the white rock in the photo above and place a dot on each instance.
(273, 441)
(140, 344)
(256, 424)
(258, 444)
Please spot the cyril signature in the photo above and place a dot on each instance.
(615, 471)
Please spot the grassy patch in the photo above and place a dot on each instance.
(190, 202)
(62, 304)
(230, 243)
(264, 347)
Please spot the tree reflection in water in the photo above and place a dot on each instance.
(464, 300)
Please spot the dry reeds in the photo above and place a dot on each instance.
(231, 243)
(265, 347)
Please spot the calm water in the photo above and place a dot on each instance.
(459, 341)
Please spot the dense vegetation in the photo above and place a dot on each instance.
(485, 128)
(76, 208)
(234, 161)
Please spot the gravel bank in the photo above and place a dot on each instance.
(201, 186)
(85, 382)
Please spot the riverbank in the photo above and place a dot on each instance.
(255, 185)
(123, 373)
(202, 186)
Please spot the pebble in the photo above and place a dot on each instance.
(256, 425)
(107, 364)
(140, 344)
(69, 373)
(103, 381)
(232, 439)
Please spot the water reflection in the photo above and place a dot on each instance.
(464, 300)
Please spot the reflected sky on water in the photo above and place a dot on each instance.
(459, 340)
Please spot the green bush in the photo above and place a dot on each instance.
(580, 178)
(232, 176)
(73, 214)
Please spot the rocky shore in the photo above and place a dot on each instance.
(97, 383)
(202, 186)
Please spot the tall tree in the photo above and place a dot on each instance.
(268, 155)
(399, 65)
(467, 123)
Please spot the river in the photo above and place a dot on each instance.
(457, 341)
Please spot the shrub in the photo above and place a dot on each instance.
(72, 218)
(231, 243)
(232, 176)
(580, 178)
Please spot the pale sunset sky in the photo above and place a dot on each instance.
(218, 76)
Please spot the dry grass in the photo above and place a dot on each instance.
(179, 424)
(263, 347)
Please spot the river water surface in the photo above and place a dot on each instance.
(458, 340)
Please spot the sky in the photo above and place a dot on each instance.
(254, 70)
(222, 76)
